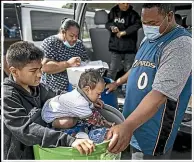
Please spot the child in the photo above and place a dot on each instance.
(64, 110)
(24, 97)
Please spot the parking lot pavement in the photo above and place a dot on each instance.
(182, 149)
(176, 155)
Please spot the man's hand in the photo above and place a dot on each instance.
(74, 61)
(120, 136)
(114, 29)
(84, 146)
(120, 34)
(99, 104)
(111, 87)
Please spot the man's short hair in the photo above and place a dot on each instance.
(21, 53)
(90, 78)
(163, 8)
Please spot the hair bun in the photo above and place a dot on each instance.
(62, 21)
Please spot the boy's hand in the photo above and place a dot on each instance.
(99, 104)
(120, 34)
(84, 146)
(74, 61)
(114, 29)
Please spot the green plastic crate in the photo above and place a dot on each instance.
(69, 153)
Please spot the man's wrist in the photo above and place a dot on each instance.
(118, 82)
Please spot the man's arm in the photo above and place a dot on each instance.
(113, 86)
(121, 134)
(123, 79)
(146, 109)
(29, 128)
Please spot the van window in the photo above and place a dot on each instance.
(11, 24)
(89, 19)
(45, 24)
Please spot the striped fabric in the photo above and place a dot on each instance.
(71, 104)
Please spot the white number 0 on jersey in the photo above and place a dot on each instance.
(142, 81)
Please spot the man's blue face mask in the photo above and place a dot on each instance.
(153, 32)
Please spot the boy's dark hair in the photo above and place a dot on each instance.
(21, 53)
(164, 8)
(66, 23)
(90, 78)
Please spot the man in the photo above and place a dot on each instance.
(158, 87)
(123, 23)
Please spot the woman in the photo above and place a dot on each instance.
(62, 51)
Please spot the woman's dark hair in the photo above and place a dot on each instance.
(66, 23)
(90, 78)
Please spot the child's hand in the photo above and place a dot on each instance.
(84, 146)
(99, 104)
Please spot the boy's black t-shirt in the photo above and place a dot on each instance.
(23, 124)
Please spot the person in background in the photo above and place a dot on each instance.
(158, 87)
(62, 51)
(24, 97)
(123, 23)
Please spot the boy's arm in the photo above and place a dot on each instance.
(110, 22)
(29, 128)
(46, 93)
(137, 24)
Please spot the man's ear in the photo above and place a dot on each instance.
(14, 71)
(170, 16)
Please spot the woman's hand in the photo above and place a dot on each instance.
(74, 61)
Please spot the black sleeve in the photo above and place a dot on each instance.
(29, 128)
(110, 20)
(136, 23)
(46, 93)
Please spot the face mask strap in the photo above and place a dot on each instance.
(167, 25)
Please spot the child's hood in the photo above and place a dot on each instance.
(9, 82)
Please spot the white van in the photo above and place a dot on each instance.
(35, 23)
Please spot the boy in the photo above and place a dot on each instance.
(24, 97)
(123, 24)
(64, 110)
